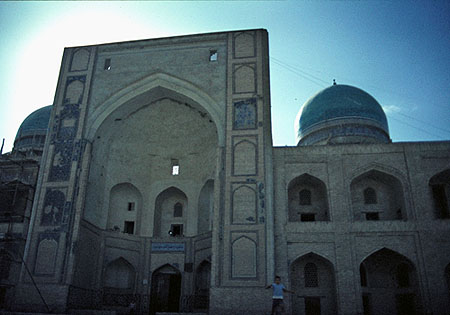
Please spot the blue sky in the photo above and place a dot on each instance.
(398, 51)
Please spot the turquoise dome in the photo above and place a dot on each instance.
(341, 114)
(33, 129)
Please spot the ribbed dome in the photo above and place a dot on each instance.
(341, 114)
(33, 129)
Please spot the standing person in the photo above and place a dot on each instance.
(132, 308)
(277, 296)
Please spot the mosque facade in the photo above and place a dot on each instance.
(156, 184)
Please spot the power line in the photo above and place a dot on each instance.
(300, 73)
(412, 126)
(423, 122)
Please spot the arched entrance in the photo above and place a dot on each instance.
(312, 278)
(166, 290)
(389, 284)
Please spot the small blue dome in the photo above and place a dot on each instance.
(33, 129)
(343, 113)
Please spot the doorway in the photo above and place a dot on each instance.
(166, 290)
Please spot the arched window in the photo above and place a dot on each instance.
(177, 210)
(363, 275)
(305, 197)
(403, 276)
(370, 196)
(311, 277)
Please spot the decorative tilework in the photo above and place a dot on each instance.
(62, 161)
(245, 114)
(54, 203)
(65, 128)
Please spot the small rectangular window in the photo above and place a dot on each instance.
(372, 216)
(213, 55)
(175, 167)
(176, 230)
(131, 206)
(107, 64)
(308, 217)
(129, 227)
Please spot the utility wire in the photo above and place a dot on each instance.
(421, 121)
(294, 68)
(423, 130)
(300, 73)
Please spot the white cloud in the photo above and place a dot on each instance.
(391, 109)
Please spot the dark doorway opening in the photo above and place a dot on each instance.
(312, 305)
(405, 304)
(166, 290)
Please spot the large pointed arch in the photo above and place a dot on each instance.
(312, 278)
(152, 88)
(389, 284)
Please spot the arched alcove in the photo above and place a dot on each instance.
(244, 158)
(125, 202)
(440, 191)
(307, 199)
(166, 223)
(244, 79)
(244, 45)
(390, 284)
(244, 205)
(312, 278)
(206, 207)
(376, 196)
(243, 257)
(119, 274)
(80, 60)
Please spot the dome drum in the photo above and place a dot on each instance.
(345, 134)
